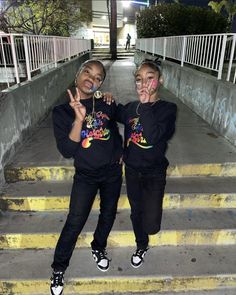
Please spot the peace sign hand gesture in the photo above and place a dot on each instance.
(77, 106)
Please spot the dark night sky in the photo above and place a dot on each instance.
(195, 2)
(204, 3)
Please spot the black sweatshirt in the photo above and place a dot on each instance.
(100, 144)
(148, 127)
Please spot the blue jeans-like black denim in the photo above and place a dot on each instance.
(145, 192)
(85, 187)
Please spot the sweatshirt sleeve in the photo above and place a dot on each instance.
(160, 125)
(120, 113)
(65, 145)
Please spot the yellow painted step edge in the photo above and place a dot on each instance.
(133, 284)
(66, 172)
(123, 239)
(171, 201)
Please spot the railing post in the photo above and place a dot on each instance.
(27, 60)
(234, 80)
(153, 46)
(145, 46)
(55, 51)
(13, 50)
(231, 57)
(222, 56)
(69, 53)
(183, 52)
(164, 49)
(5, 63)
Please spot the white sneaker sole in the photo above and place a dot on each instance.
(136, 266)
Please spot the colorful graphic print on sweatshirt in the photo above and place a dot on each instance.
(136, 134)
(94, 129)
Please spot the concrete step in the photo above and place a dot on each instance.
(100, 49)
(107, 55)
(39, 230)
(169, 269)
(187, 192)
(221, 291)
(65, 173)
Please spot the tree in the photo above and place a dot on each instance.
(48, 17)
(216, 6)
(112, 16)
(3, 20)
(177, 19)
(228, 5)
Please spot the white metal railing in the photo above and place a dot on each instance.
(21, 55)
(215, 52)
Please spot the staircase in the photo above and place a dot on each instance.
(194, 251)
(104, 53)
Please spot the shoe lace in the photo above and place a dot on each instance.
(139, 252)
(102, 255)
(57, 278)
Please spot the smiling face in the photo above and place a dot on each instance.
(90, 78)
(147, 82)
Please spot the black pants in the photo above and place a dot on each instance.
(85, 187)
(145, 192)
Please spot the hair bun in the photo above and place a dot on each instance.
(153, 61)
(157, 61)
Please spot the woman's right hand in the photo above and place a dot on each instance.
(77, 106)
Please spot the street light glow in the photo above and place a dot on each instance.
(141, 3)
(126, 4)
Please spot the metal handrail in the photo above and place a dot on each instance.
(215, 52)
(24, 55)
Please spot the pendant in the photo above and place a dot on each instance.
(97, 94)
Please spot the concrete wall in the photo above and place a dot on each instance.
(213, 100)
(22, 107)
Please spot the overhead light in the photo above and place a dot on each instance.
(126, 3)
(125, 19)
(104, 17)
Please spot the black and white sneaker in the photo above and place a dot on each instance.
(137, 258)
(57, 283)
(100, 257)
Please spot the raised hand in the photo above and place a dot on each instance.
(77, 106)
(146, 92)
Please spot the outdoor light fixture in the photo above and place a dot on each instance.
(141, 3)
(125, 19)
(104, 17)
(126, 4)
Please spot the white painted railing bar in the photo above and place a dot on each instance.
(22, 55)
(222, 55)
(14, 59)
(214, 52)
(232, 53)
(3, 56)
(26, 48)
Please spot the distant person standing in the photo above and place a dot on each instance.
(128, 38)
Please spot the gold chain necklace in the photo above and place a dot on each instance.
(97, 94)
